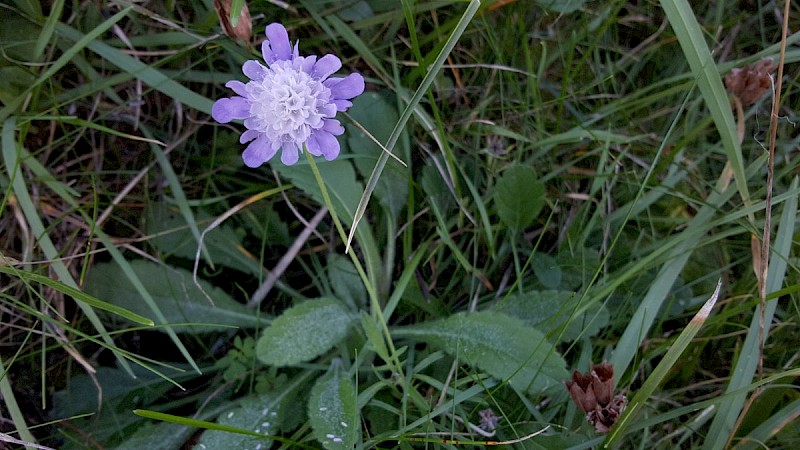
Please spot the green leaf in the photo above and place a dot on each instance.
(547, 271)
(157, 436)
(332, 409)
(548, 311)
(502, 346)
(173, 237)
(258, 414)
(561, 6)
(304, 332)
(176, 295)
(340, 181)
(519, 196)
(374, 112)
(345, 281)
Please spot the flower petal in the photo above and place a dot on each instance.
(342, 105)
(347, 87)
(258, 152)
(328, 144)
(326, 66)
(237, 87)
(280, 48)
(248, 136)
(307, 63)
(254, 70)
(226, 109)
(312, 145)
(289, 155)
(333, 127)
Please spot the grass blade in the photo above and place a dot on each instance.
(412, 104)
(729, 408)
(666, 364)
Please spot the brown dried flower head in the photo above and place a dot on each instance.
(593, 392)
(243, 28)
(750, 83)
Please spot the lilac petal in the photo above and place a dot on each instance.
(248, 136)
(328, 109)
(281, 49)
(342, 105)
(308, 64)
(226, 109)
(328, 144)
(237, 87)
(326, 66)
(289, 155)
(312, 145)
(258, 152)
(347, 87)
(254, 70)
(333, 127)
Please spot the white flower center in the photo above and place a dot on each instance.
(287, 104)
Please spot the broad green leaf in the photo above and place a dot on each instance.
(340, 181)
(158, 436)
(519, 197)
(502, 346)
(547, 271)
(346, 283)
(332, 409)
(304, 332)
(374, 112)
(561, 6)
(173, 237)
(548, 311)
(258, 414)
(176, 295)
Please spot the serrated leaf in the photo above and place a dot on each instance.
(258, 414)
(500, 345)
(547, 311)
(304, 332)
(175, 294)
(374, 112)
(519, 197)
(332, 409)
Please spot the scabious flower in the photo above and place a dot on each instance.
(290, 103)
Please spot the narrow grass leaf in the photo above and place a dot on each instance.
(332, 409)
(10, 402)
(140, 70)
(729, 408)
(13, 156)
(47, 31)
(776, 422)
(304, 332)
(81, 42)
(706, 74)
(78, 295)
(412, 104)
(639, 400)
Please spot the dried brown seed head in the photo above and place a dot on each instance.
(750, 83)
(243, 28)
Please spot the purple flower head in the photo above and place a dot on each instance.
(289, 103)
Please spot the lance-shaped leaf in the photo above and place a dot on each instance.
(332, 409)
(304, 332)
(500, 345)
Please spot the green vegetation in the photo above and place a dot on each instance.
(525, 189)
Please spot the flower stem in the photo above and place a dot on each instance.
(375, 307)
